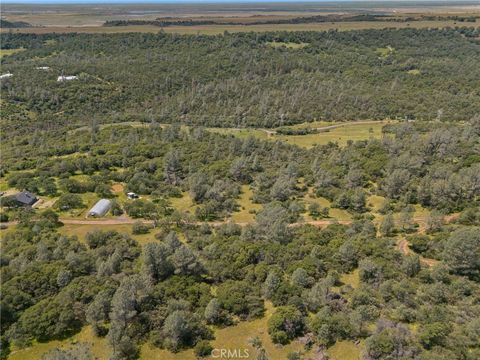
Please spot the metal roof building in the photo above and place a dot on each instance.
(26, 198)
(100, 208)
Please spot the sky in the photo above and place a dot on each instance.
(80, 2)
(195, 1)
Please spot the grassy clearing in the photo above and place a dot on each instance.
(3, 184)
(81, 231)
(352, 279)
(344, 350)
(288, 45)
(184, 203)
(89, 199)
(99, 346)
(341, 135)
(241, 133)
(414, 72)
(7, 52)
(375, 202)
(350, 131)
(334, 213)
(420, 211)
(246, 205)
(385, 52)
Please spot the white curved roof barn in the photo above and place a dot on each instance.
(100, 208)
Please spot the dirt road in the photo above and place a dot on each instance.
(404, 248)
(122, 221)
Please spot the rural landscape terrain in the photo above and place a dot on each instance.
(240, 181)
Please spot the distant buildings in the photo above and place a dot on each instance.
(7, 75)
(100, 208)
(67, 78)
(43, 67)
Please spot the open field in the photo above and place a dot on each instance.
(333, 132)
(341, 135)
(7, 52)
(220, 29)
(328, 132)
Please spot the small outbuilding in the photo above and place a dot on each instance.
(25, 198)
(7, 75)
(100, 208)
(67, 78)
(132, 195)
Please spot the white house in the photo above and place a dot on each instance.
(43, 67)
(7, 75)
(67, 78)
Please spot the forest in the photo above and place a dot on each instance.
(409, 199)
(239, 80)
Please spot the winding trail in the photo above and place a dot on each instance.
(404, 248)
(123, 221)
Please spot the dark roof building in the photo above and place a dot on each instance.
(25, 198)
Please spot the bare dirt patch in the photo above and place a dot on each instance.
(116, 188)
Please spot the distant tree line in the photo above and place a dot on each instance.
(331, 18)
(165, 22)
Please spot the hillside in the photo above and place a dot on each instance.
(248, 79)
(265, 196)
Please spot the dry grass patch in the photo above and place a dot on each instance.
(244, 215)
(352, 279)
(99, 346)
(7, 52)
(81, 231)
(242, 133)
(414, 72)
(340, 135)
(184, 203)
(334, 213)
(345, 350)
